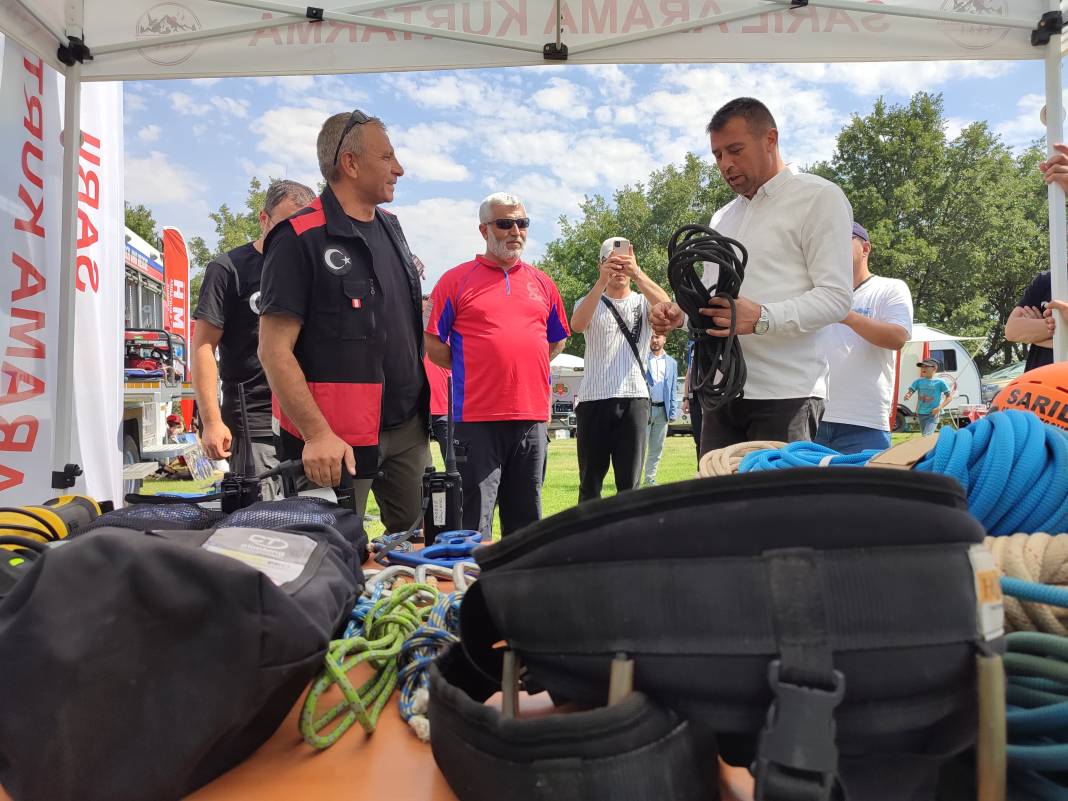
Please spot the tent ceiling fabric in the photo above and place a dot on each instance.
(263, 39)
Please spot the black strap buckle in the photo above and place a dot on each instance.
(798, 754)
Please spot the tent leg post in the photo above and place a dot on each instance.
(1058, 254)
(65, 473)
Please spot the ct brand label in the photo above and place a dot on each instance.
(274, 543)
(337, 261)
(163, 20)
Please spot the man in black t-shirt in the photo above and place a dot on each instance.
(1026, 323)
(227, 316)
(341, 328)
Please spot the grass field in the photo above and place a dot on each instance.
(560, 492)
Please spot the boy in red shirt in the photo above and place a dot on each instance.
(496, 322)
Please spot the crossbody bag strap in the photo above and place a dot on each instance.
(630, 336)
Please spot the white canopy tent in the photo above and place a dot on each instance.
(108, 40)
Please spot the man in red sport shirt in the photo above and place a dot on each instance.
(438, 378)
(496, 322)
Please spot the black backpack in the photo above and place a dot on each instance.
(137, 666)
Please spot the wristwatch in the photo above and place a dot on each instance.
(762, 323)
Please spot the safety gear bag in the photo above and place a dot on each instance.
(140, 665)
(821, 624)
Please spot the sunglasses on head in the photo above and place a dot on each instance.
(357, 117)
(506, 223)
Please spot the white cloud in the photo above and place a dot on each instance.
(1026, 126)
(204, 81)
(425, 151)
(562, 97)
(289, 133)
(613, 83)
(904, 78)
(132, 101)
(954, 125)
(622, 114)
(229, 105)
(150, 133)
(154, 180)
(184, 104)
(443, 232)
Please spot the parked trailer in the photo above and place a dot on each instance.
(957, 369)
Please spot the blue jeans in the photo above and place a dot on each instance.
(848, 438)
(655, 434)
(928, 423)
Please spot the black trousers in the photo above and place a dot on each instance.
(611, 430)
(696, 416)
(503, 465)
(745, 420)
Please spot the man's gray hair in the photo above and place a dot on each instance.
(485, 211)
(330, 133)
(286, 190)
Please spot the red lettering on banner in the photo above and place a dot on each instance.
(514, 15)
(304, 33)
(267, 33)
(9, 436)
(337, 27)
(487, 19)
(11, 476)
(16, 378)
(21, 434)
(88, 196)
(30, 280)
(34, 119)
(368, 32)
(85, 264)
(675, 11)
(35, 349)
(837, 17)
(36, 69)
(33, 224)
(709, 8)
(442, 17)
(30, 149)
(594, 20)
(637, 14)
(567, 21)
(876, 23)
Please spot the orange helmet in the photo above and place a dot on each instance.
(1042, 391)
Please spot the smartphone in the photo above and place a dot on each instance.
(620, 247)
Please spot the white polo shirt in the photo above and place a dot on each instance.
(798, 232)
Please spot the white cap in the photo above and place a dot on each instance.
(606, 247)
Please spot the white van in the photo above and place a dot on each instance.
(957, 369)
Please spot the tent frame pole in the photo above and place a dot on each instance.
(1058, 255)
(64, 472)
(55, 32)
(918, 13)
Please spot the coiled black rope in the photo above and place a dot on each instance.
(718, 365)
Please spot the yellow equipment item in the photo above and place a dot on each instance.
(53, 520)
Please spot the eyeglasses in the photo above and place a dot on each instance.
(357, 117)
(506, 223)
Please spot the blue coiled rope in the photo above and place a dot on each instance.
(1037, 715)
(1012, 466)
(418, 652)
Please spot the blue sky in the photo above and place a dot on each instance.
(550, 134)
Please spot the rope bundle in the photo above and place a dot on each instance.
(1038, 558)
(802, 454)
(725, 461)
(417, 654)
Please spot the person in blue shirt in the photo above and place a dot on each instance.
(932, 395)
(663, 371)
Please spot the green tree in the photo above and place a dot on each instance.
(235, 228)
(647, 214)
(140, 220)
(958, 220)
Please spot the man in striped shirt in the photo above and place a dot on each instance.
(613, 401)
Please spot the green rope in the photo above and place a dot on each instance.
(388, 624)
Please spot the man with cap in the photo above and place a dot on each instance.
(932, 395)
(860, 352)
(613, 409)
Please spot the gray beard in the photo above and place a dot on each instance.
(498, 248)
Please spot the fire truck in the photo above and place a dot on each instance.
(155, 360)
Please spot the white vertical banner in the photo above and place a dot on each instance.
(31, 152)
(99, 286)
(30, 184)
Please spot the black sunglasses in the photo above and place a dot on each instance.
(506, 223)
(357, 117)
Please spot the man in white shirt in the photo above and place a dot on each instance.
(664, 375)
(861, 353)
(795, 228)
(613, 401)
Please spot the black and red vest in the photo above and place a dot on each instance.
(340, 347)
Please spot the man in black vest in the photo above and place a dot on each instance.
(341, 324)
(227, 316)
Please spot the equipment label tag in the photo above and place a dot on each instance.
(279, 555)
(989, 605)
(438, 498)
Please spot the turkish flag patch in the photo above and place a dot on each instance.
(357, 303)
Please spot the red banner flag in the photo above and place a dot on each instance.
(176, 280)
